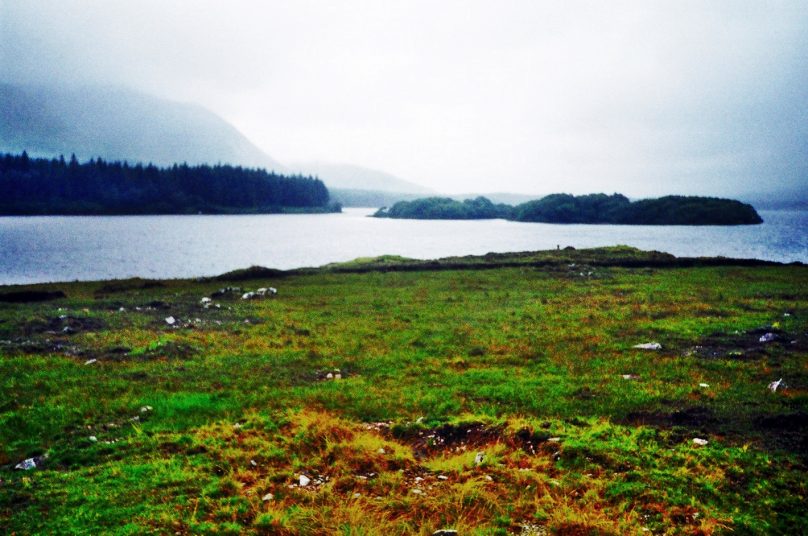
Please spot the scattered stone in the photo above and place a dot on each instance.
(773, 386)
(768, 337)
(648, 346)
(329, 376)
(630, 377)
(699, 441)
(253, 463)
(337, 376)
(122, 309)
(273, 291)
(304, 481)
(417, 491)
(443, 477)
(445, 532)
(248, 296)
(170, 320)
(381, 451)
(479, 458)
(26, 465)
(489, 478)
(93, 438)
(267, 497)
(419, 479)
(146, 409)
(357, 495)
(554, 440)
(704, 385)
(90, 361)
(419, 420)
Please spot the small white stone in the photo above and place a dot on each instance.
(170, 320)
(146, 409)
(252, 462)
(93, 438)
(699, 441)
(381, 451)
(479, 458)
(704, 385)
(267, 497)
(417, 491)
(443, 477)
(648, 346)
(329, 376)
(357, 495)
(304, 481)
(337, 376)
(90, 361)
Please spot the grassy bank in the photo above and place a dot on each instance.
(492, 395)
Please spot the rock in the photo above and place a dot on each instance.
(768, 337)
(122, 309)
(329, 376)
(704, 385)
(773, 386)
(554, 440)
(699, 442)
(381, 451)
(267, 497)
(253, 463)
(273, 291)
(205, 302)
(419, 479)
(248, 296)
(489, 478)
(90, 361)
(357, 495)
(445, 532)
(443, 477)
(304, 481)
(417, 491)
(648, 346)
(93, 438)
(261, 291)
(629, 376)
(26, 465)
(337, 376)
(146, 409)
(479, 458)
(170, 320)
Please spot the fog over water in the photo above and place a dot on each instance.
(39, 249)
(639, 97)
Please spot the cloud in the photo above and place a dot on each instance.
(640, 97)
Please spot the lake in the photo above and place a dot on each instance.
(37, 249)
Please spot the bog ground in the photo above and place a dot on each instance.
(489, 395)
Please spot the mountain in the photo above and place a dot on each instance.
(351, 177)
(119, 124)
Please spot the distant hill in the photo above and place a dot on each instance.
(348, 197)
(345, 176)
(119, 124)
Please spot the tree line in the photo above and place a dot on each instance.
(592, 208)
(56, 186)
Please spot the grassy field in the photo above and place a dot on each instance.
(490, 395)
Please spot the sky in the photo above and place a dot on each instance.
(639, 97)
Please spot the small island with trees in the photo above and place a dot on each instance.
(592, 208)
(40, 186)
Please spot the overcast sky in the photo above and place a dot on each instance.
(643, 97)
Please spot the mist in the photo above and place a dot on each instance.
(643, 98)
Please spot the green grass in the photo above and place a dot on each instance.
(518, 357)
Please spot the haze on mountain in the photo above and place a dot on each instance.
(119, 124)
(640, 97)
(347, 176)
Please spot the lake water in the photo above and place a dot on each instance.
(55, 248)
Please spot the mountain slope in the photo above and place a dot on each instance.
(351, 177)
(116, 123)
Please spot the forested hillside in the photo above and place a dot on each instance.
(55, 186)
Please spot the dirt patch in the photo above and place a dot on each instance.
(126, 285)
(694, 417)
(65, 324)
(27, 296)
(753, 344)
(447, 437)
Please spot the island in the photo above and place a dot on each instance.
(41, 186)
(593, 208)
